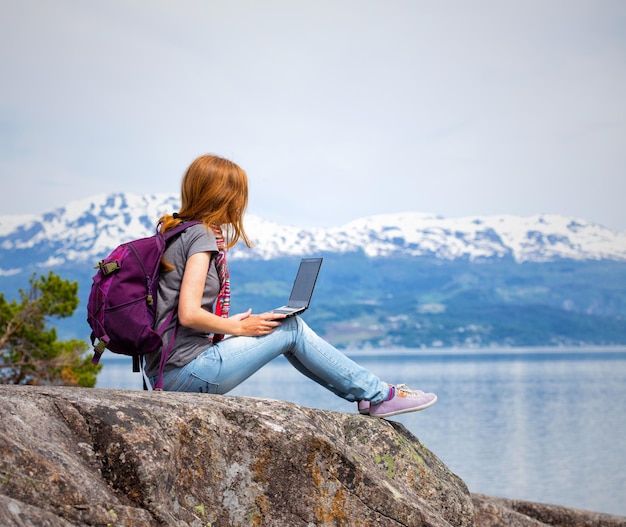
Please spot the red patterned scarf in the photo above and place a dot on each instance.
(222, 304)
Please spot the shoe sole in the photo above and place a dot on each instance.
(365, 410)
(406, 411)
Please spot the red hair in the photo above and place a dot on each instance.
(214, 191)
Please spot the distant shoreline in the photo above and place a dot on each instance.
(500, 351)
(455, 352)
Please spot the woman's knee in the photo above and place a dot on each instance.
(292, 322)
(290, 325)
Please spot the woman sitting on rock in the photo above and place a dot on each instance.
(195, 285)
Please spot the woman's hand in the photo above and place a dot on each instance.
(250, 325)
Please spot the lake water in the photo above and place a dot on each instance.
(533, 424)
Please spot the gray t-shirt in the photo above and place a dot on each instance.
(189, 342)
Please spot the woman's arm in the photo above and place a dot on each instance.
(192, 315)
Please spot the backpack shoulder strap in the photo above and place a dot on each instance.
(166, 352)
(180, 228)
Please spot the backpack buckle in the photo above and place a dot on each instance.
(108, 267)
(101, 346)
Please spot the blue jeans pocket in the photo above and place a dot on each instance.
(197, 375)
(199, 385)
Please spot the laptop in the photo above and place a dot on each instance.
(302, 289)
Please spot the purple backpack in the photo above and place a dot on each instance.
(121, 310)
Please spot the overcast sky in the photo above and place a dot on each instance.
(336, 109)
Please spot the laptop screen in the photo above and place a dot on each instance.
(305, 282)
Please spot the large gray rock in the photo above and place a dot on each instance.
(100, 457)
(94, 457)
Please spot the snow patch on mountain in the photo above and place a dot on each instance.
(87, 230)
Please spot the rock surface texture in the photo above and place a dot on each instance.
(74, 457)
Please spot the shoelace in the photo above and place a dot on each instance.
(404, 388)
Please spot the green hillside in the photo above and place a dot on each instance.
(420, 302)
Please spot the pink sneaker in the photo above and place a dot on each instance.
(364, 407)
(405, 401)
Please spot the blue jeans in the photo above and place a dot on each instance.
(223, 366)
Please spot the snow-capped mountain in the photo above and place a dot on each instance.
(87, 230)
